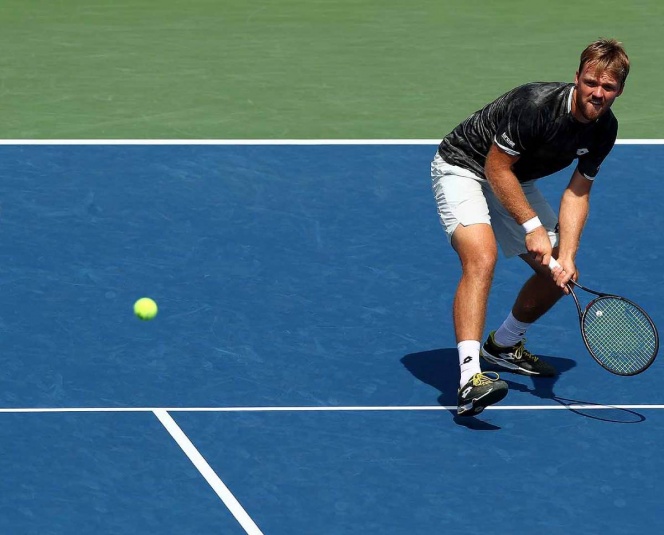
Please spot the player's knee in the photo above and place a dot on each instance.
(481, 263)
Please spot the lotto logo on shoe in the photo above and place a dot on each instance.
(466, 392)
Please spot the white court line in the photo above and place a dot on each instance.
(387, 408)
(206, 471)
(433, 142)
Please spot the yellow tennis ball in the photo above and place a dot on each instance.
(145, 308)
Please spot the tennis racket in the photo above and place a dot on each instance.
(617, 332)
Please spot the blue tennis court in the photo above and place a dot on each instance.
(301, 375)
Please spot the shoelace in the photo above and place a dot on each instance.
(484, 378)
(520, 352)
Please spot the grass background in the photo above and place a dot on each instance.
(312, 69)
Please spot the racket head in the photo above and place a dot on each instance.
(619, 335)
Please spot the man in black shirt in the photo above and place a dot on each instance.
(483, 177)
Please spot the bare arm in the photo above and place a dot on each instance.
(498, 171)
(574, 208)
(506, 186)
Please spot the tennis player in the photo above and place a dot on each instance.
(484, 177)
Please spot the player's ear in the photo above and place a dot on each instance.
(576, 79)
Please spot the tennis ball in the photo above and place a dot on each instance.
(145, 308)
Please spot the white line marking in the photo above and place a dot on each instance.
(206, 471)
(389, 408)
(432, 142)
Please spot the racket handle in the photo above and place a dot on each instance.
(553, 264)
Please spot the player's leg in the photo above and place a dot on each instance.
(465, 216)
(505, 347)
(539, 293)
(476, 246)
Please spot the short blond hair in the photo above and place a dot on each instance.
(606, 55)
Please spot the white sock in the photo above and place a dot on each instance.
(469, 359)
(511, 332)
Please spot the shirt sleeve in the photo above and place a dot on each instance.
(590, 162)
(519, 128)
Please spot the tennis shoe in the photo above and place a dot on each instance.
(515, 358)
(481, 390)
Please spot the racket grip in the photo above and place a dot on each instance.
(553, 263)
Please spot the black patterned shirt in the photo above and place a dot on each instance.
(533, 121)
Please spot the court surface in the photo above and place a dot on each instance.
(300, 378)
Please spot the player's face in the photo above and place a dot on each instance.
(595, 93)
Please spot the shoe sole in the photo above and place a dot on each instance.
(477, 405)
(507, 365)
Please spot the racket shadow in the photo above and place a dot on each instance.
(603, 413)
(542, 387)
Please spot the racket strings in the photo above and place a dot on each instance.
(619, 335)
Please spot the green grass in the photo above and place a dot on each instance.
(301, 68)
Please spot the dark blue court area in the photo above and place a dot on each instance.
(304, 345)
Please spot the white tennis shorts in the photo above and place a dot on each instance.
(465, 199)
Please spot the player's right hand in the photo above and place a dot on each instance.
(538, 245)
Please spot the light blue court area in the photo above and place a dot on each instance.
(291, 278)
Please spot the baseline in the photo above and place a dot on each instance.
(161, 410)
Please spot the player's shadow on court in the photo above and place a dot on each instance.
(541, 387)
(440, 369)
